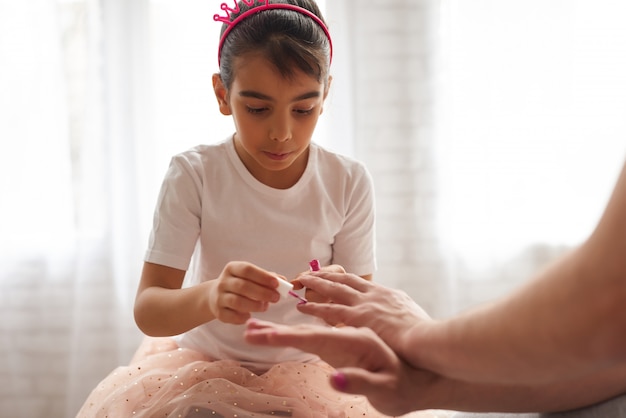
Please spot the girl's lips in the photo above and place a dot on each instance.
(276, 157)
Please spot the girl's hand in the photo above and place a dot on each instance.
(310, 294)
(241, 288)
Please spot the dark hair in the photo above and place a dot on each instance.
(290, 40)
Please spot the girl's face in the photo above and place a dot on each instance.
(274, 118)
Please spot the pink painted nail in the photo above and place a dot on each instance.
(314, 265)
(339, 380)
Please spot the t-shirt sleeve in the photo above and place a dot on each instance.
(176, 222)
(354, 247)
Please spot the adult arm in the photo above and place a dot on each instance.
(566, 323)
(366, 365)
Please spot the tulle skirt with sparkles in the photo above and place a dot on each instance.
(164, 380)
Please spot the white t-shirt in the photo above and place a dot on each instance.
(210, 207)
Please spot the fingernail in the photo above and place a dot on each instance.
(339, 380)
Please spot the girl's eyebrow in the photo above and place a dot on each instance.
(261, 96)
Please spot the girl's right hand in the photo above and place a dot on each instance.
(240, 289)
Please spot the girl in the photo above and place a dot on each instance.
(266, 195)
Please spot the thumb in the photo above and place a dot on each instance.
(356, 381)
(382, 390)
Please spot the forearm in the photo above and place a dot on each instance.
(568, 322)
(164, 312)
(562, 325)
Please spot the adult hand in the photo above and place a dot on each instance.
(240, 289)
(357, 302)
(365, 364)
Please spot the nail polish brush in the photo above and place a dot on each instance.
(286, 289)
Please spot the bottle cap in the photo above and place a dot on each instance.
(284, 287)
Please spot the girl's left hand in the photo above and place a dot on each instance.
(310, 294)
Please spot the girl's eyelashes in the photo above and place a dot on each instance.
(255, 110)
(304, 111)
(258, 110)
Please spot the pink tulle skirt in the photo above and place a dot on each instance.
(164, 380)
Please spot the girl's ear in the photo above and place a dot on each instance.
(221, 93)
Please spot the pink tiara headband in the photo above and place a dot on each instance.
(267, 6)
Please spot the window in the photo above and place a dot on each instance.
(532, 120)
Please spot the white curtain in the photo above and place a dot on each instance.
(531, 133)
(386, 81)
(493, 129)
(70, 221)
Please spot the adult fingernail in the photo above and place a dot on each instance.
(339, 380)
